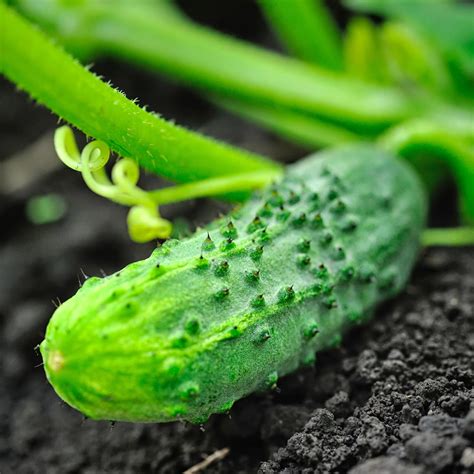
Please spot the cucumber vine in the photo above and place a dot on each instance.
(78, 96)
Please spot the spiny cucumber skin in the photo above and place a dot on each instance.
(207, 320)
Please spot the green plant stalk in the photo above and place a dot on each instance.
(217, 63)
(212, 187)
(141, 23)
(307, 30)
(453, 146)
(298, 127)
(53, 78)
(448, 237)
(307, 131)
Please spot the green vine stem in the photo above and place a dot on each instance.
(214, 186)
(309, 132)
(220, 64)
(52, 77)
(297, 127)
(144, 220)
(454, 145)
(448, 237)
(290, 97)
(307, 30)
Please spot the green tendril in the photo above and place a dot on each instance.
(144, 220)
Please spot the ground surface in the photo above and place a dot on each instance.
(397, 397)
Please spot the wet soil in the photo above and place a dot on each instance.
(396, 397)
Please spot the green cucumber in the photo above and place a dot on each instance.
(207, 320)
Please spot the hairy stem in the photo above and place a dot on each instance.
(52, 77)
(218, 63)
(306, 29)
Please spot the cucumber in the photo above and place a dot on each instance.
(207, 320)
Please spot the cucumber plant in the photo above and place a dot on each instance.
(208, 319)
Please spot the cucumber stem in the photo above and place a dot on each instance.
(306, 29)
(220, 64)
(309, 132)
(458, 236)
(214, 186)
(450, 141)
(52, 77)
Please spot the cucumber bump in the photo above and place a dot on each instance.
(207, 320)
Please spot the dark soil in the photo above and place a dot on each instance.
(397, 397)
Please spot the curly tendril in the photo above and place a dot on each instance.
(144, 220)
